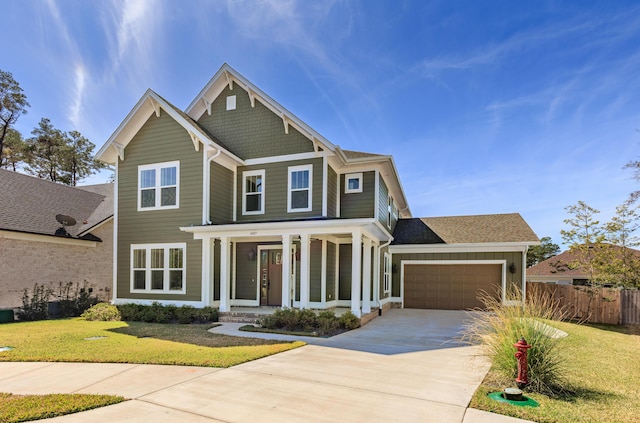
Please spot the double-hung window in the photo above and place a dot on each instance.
(158, 268)
(300, 188)
(253, 192)
(387, 273)
(158, 186)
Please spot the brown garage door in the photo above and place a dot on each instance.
(449, 286)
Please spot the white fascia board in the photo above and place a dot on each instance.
(502, 247)
(217, 84)
(25, 236)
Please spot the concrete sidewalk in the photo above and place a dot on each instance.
(336, 381)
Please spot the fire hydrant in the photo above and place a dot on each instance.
(521, 355)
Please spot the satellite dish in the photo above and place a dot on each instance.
(65, 220)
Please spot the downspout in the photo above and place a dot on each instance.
(380, 247)
(212, 158)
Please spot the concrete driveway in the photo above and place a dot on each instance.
(404, 366)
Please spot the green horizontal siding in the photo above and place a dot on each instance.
(332, 193)
(221, 188)
(315, 274)
(161, 139)
(359, 204)
(331, 271)
(276, 189)
(251, 132)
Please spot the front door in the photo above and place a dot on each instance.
(271, 277)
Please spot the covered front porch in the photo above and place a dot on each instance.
(319, 264)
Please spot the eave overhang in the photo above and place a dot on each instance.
(149, 104)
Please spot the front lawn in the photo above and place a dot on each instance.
(76, 340)
(22, 408)
(602, 370)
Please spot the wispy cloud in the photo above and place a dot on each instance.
(78, 96)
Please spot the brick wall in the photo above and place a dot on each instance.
(24, 263)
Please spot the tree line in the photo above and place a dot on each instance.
(50, 153)
(605, 252)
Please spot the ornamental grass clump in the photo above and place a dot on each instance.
(501, 326)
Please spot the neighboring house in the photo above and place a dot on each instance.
(36, 248)
(562, 269)
(236, 202)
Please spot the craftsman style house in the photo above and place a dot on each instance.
(236, 202)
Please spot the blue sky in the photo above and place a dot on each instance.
(486, 106)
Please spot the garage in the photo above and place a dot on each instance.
(449, 286)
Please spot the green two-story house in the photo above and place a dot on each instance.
(235, 202)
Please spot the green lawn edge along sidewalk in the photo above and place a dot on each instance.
(22, 408)
(76, 340)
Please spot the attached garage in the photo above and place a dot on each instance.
(450, 286)
(447, 262)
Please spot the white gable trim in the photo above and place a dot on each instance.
(152, 103)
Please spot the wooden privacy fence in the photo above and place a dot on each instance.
(593, 305)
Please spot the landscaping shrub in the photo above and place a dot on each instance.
(158, 313)
(324, 323)
(36, 306)
(104, 312)
(75, 298)
(349, 321)
(501, 326)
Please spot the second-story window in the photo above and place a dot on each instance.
(299, 190)
(158, 186)
(353, 183)
(390, 209)
(253, 192)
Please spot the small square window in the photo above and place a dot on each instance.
(231, 102)
(352, 183)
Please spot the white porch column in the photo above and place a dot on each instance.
(305, 271)
(366, 277)
(286, 271)
(356, 276)
(207, 279)
(225, 274)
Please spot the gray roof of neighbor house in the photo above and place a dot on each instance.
(488, 228)
(29, 204)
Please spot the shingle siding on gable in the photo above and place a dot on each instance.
(275, 191)
(221, 187)
(251, 132)
(360, 204)
(160, 140)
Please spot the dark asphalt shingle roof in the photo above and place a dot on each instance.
(29, 204)
(486, 228)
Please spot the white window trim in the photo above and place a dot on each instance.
(165, 247)
(244, 192)
(309, 189)
(390, 207)
(348, 176)
(387, 273)
(158, 187)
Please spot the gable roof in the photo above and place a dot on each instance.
(29, 204)
(226, 77)
(477, 229)
(151, 103)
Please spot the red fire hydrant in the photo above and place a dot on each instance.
(521, 355)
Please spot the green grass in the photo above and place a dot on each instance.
(21, 408)
(131, 342)
(602, 370)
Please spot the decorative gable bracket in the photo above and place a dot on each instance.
(207, 104)
(229, 79)
(155, 105)
(195, 140)
(119, 149)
